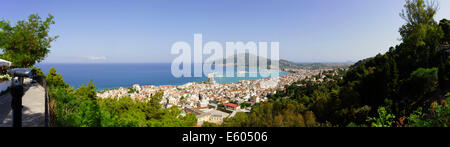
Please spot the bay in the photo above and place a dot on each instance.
(115, 75)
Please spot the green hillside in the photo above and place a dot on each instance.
(407, 86)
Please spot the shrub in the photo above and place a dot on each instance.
(384, 118)
(39, 72)
(438, 115)
(5, 77)
(71, 110)
(127, 112)
(55, 80)
(423, 81)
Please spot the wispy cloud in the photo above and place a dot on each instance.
(96, 58)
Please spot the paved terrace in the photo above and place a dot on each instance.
(33, 107)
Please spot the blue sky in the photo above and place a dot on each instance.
(131, 31)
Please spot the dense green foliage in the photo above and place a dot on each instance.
(39, 72)
(297, 106)
(382, 91)
(281, 113)
(26, 43)
(438, 115)
(126, 112)
(445, 25)
(422, 81)
(384, 118)
(82, 108)
(71, 108)
(408, 75)
(55, 80)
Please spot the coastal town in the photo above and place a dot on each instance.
(212, 102)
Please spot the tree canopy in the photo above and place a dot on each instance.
(420, 23)
(28, 42)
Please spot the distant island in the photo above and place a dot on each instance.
(283, 64)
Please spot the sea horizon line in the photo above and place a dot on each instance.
(346, 62)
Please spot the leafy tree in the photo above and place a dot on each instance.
(182, 99)
(26, 43)
(420, 24)
(423, 81)
(131, 90)
(40, 76)
(54, 79)
(445, 25)
(87, 91)
(39, 72)
(245, 105)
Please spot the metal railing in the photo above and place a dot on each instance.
(43, 82)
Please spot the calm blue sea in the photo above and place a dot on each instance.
(116, 75)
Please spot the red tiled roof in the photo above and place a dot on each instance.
(232, 105)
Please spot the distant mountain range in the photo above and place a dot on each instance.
(283, 64)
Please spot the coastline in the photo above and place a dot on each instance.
(241, 91)
(114, 76)
(285, 73)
